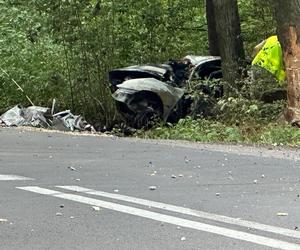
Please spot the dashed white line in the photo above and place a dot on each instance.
(14, 178)
(188, 211)
(239, 235)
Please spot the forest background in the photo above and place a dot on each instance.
(64, 50)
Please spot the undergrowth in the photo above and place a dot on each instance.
(203, 130)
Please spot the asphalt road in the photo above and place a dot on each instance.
(61, 191)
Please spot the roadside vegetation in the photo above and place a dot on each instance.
(64, 50)
(205, 130)
(238, 120)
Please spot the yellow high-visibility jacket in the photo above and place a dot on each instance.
(270, 57)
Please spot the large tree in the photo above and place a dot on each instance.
(229, 38)
(288, 19)
(212, 29)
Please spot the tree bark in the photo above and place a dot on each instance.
(230, 40)
(288, 29)
(212, 29)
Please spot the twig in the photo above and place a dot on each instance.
(19, 87)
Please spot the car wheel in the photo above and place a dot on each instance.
(147, 118)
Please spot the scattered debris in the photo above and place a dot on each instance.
(95, 208)
(31, 116)
(152, 188)
(3, 220)
(230, 178)
(150, 164)
(42, 117)
(282, 214)
(66, 121)
(154, 173)
(186, 160)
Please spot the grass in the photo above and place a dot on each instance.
(203, 130)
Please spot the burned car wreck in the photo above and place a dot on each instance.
(147, 93)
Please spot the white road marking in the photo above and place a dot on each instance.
(188, 211)
(14, 178)
(239, 235)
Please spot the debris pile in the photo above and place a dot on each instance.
(42, 117)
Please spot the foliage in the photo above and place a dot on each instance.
(64, 50)
(213, 131)
(27, 54)
(257, 21)
(245, 111)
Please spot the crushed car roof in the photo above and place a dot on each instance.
(195, 60)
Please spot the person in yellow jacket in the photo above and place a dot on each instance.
(268, 55)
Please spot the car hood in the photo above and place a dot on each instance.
(169, 95)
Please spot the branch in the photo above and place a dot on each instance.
(19, 87)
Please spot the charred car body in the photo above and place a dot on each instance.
(149, 92)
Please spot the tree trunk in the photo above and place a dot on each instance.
(211, 27)
(288, 21)
(230, 41)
